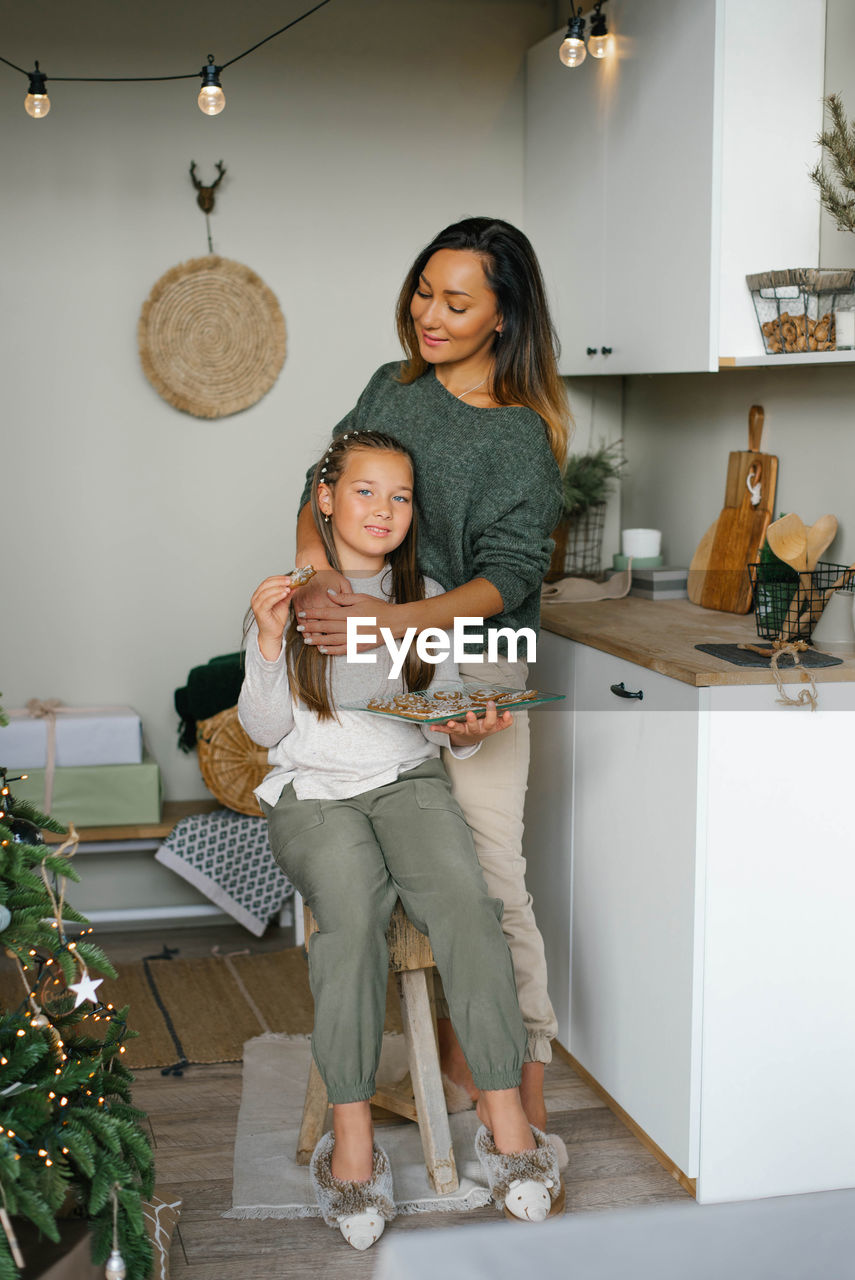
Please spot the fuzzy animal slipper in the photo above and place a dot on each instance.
(526, 1184)
(457, 1098)
(559, 1148)
(360, 1210)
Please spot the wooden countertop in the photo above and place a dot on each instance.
(661, 635)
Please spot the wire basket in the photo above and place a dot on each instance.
(805, 309)
(579, 544)
(787, 605)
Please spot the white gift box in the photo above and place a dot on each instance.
(84, 736)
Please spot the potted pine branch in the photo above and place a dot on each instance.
(588, 481)
(837, 189)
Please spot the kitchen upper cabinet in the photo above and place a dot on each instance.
(658, 178)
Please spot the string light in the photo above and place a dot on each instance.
(572, 51)
(599, 41)
(37, 102)
(211, 98)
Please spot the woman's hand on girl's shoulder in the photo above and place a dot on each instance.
(474, 729)
(270, 604)
(323, 619)
(314, 593)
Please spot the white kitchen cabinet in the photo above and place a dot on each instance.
(692, 864)
(656, 179)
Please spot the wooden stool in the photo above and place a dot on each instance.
(411, 960)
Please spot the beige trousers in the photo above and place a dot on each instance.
(490, 788)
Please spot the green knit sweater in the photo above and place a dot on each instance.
(488, 488)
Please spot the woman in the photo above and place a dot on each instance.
(479, 405)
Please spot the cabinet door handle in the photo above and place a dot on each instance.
(591, 351)
(607, 351)
(622, 692)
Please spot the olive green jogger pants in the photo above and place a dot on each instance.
(351, 859)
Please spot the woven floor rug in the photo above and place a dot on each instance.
(268, 1183)
(202, 1010)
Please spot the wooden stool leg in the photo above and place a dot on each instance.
(314, 1115)
(427, 1081)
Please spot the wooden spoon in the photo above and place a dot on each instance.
(817, 539)
(787, 540)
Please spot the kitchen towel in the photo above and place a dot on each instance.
(577, 590)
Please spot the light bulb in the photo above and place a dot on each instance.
(572, 51)
(37, 105)
(599, 44)
(211, 99)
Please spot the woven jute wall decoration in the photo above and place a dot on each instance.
(211, 337)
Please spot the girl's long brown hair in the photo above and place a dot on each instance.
(308, 668)
(526, 370)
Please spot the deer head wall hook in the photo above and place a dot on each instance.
(205, 198)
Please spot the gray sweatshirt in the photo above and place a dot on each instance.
(334, 759)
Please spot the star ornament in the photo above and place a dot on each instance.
(85, 989)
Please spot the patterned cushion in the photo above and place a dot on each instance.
(226, 856)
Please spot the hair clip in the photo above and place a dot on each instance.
(323, 470)
(344, 437)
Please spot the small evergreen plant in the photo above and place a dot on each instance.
(588, 477)
(837, 190)
(69, 1134)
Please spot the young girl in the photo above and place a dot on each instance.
(360, 813)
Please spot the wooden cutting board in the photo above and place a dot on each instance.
(700, 564)
(737, 536)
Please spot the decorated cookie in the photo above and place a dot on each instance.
(299, 577)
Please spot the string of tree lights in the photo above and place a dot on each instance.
(211, 98)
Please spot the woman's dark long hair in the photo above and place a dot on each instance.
(308, 668)
(526, 371)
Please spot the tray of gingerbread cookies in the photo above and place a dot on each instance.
(451, 701)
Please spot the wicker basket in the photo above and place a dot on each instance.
(231, 763)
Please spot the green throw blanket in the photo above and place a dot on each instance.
(209, 690)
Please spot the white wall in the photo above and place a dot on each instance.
(139, 531)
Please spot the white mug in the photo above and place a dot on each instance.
(837, 624)
(641, 543)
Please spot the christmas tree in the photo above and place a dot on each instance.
(69, 1136)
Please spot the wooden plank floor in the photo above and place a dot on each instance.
(193, 1121)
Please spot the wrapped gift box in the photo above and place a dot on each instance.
(84, 736)
(104, 795)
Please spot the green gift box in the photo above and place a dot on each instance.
(103, 795)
